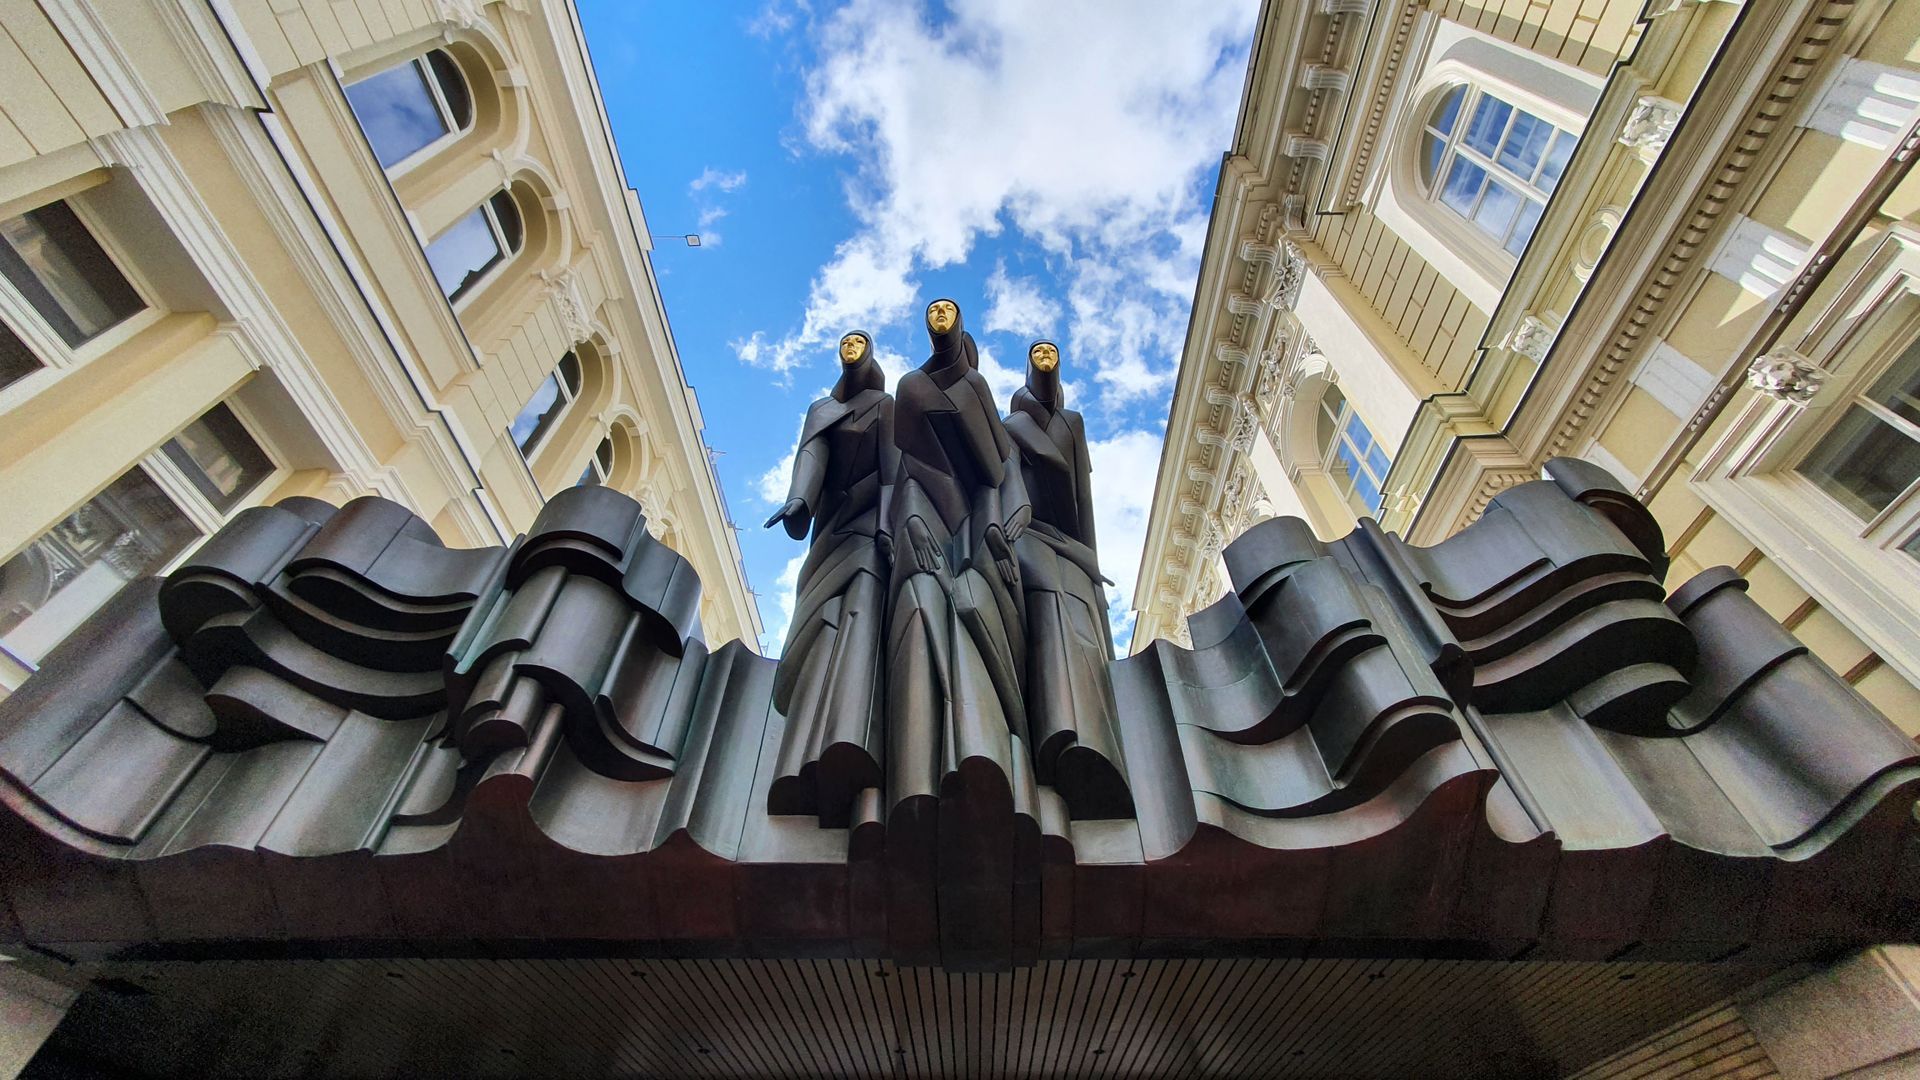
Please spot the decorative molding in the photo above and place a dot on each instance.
(1345, 7)
(1301, 145)
(1870, 104)
(1674, 379)
(111, 68)
(1763, 260)
(1324, 77)
(1532, 338)
(563, 286)
(1591, 245)
(464, 14)
(1650, 123)
(1785, 375)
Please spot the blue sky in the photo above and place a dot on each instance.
(1050, 166)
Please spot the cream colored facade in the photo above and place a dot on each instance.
(1716, 300)
(276, 268)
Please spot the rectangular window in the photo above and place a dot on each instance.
(126, 532)
(550, 399)
(62, 271)
(219, 457)
(1872, 455)
(397, 112)
(474, 244)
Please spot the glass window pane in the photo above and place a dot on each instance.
(219, 457)
(16, 360)
(1357, 432)
(1526, 142)
(1328, 425)
(570, 374)
(1366, 495)
(1864, 462)
(462, 253)
(1556, 161)
(1523, 227)
(396, 111)
(604, 455)
(1378, 462)
(453, 87)
(1497, 208)
(1912, 546)
(506, 213)
(1431, 151)
(1448, 109)
(1463, 185)
(537, 417)
(1488, 124)
(1899, 388)
(64, 273)
(128, 531)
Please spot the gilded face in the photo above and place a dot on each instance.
(852, 348)
(1045, 356)
(941, 315)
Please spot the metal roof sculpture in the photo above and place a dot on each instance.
(326, 731)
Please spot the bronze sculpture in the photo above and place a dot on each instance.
(1070, 698)
(829, 685)
(327, 732)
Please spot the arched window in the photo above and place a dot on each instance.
(1491, 162)
(486, 236)
(1354, 461)
(550, 399)
(411, 105)
(601, 466)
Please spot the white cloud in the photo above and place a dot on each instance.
(1124, 470)
(772, 485)
(716, 178)
(1018, 306)
(1040, 117)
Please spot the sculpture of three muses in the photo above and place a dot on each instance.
(950, 606)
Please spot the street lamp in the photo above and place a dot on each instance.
(692, 239)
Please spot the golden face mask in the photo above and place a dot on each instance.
(1044, 356)
(852, 348)
(941, 315)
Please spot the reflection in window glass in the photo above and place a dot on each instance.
(219, 457)
(474, 244)
(407, 107)
(16, 361)
(1497, 169)
(126, 532)
(1872, 455)
(550, 399)
(1355, 463)
(61, 270)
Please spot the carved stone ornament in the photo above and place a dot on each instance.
(570, 303)
(1650, 123)
(464, 14)
(1289, 273)
(1786, 375)
(1532, 338)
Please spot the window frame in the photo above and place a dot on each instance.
(540, 439)
(476, 283)
(1853, 566)
(193, 506)
(46, 343)
(1453, 144)
(436, 93)
(1343, 419)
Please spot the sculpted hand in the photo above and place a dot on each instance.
(1003, 556)
(794, 510)
(885, 542)
(1017, 524)
(926, 553)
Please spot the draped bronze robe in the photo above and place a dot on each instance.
(829, 681)
(1070, 704)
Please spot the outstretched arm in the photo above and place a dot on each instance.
(803, 494)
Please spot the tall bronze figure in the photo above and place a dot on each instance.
(1070, 705)
(829, 681)
(955, 719)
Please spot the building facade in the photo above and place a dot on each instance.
(1454, 239)
(254, 251)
